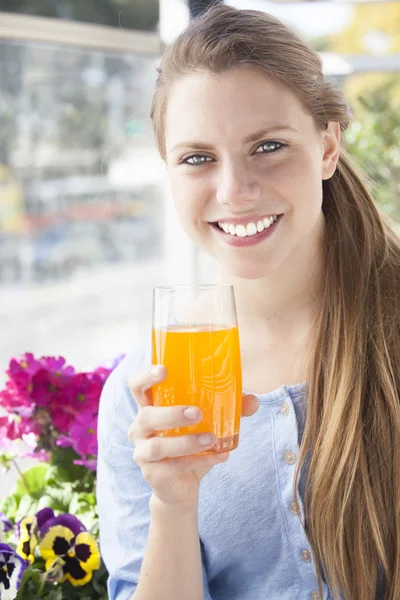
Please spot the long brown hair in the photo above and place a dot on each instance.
(352, 432)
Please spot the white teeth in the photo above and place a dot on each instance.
(241, 231)
(250, 229)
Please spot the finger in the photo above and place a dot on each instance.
(158, 448)
(151, 419)
(141, 383)
(250, 405)
(165, 470)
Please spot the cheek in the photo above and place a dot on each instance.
(298, 182)
(190, 199)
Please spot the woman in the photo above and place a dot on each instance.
(308, 504)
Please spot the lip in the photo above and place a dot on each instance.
(251, 240)
(244, 220)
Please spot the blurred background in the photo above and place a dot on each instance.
(86, 221)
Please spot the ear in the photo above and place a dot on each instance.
(331, 146)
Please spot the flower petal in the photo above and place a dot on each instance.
(66, 520)
(87, 551)
(11, 568)
(56, 542)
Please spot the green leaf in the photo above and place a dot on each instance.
(27, 506)
(49, 501)
(9, 506)
(62, 459)
(6, 460)
(69, 592)
(30, 583)
(59, 498)
(82, 502)
(51, 477)
(33, 482)
(55, 594)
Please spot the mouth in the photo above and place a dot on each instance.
(247, 229)
(247, 234)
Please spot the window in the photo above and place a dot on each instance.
(81, 216)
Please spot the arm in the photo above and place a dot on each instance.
(172, 566)
(123, 495)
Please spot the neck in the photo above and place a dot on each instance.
(288, 299)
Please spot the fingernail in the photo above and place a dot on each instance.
(155, 371)
(206, 439)
(192, 413)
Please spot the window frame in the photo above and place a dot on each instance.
(31, 28)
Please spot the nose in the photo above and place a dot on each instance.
(237, 186)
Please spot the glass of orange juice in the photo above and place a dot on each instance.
(195, 336)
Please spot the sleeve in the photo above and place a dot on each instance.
(122, 493)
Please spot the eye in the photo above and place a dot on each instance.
(269, 147)
(196, 159)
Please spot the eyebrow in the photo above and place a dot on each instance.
(250, 138)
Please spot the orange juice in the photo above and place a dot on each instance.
(203, 370)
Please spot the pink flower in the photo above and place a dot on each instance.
(90, 463)
(102, 374)
(33, 380)
(46, 399)
(83, 434)
(86, 392)
(40, 455)
(11, 428)
(56, 364)
(54, 393)
(16, 399)
(62, 420)
(20, 373)
(47, 386)
(27, 364)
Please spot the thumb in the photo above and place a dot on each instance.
(250, 405)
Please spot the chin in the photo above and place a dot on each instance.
(248, 271)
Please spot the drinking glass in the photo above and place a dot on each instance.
(195, 336)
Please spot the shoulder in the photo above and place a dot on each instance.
(118, 407)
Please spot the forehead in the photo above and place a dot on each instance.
(229, 105)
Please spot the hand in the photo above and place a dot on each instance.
(170, 464)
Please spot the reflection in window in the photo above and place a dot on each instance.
(80, 207)
(70, 120)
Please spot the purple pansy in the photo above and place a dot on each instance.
(11, 568)
(65, 542)
(5, 526)
(29, 532)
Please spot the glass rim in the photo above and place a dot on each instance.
(192, 286)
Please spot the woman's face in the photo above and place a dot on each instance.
(246, 166)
